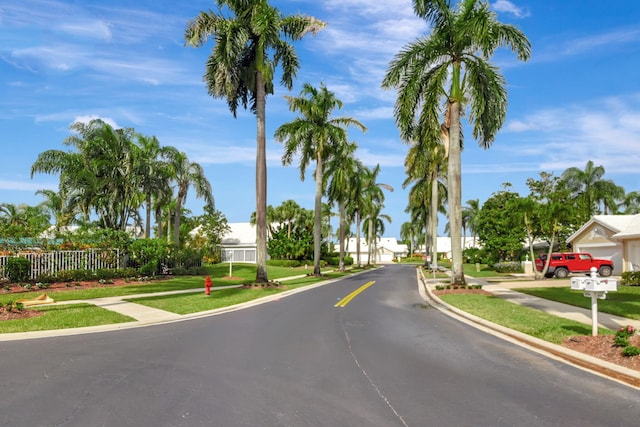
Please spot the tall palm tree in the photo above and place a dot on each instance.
(589, 190)
(340, 175)
(154, 177)
(366, 193)
(452, 63)
(316, 137)
(249, 46)
(186, 174)
(374, 228)
(426, 165)
(408, 233)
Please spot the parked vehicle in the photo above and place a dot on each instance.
(565, 263)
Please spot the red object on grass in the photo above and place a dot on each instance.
(207, 286)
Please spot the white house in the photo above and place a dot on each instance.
(614, 237)
(444, 245)
(386, 249)
(239, 243)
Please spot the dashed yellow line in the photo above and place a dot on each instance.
(346, 300)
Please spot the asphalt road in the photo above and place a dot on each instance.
(385, 359)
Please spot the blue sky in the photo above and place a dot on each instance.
(576, 99)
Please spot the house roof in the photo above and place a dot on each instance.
(623, 226)
(240, 233)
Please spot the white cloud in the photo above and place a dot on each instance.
(94, 29)
(87, 119)
(508, 7)
(25, 186)
(606, 131)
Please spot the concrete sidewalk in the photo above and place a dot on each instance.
(578, 314)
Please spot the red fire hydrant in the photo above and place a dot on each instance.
(207, 286)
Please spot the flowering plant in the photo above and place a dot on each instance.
(626, 331)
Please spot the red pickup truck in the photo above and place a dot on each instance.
(564, 263)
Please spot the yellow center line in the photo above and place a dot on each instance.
(346, 300)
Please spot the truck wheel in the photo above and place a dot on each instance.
(605, 271)
(561, 273)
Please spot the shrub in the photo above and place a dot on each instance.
(284, 262)
(631, 350)
(620, 341)
(150, 268)
(630, 278)
(508, 267)
(18, 269)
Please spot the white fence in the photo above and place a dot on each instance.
(53, 262)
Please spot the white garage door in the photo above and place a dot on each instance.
(613, 253)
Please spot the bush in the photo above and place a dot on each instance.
(284, 262)
(149, 269)
(631, 350)
(335, 260)
(508, 267)
(18, 269)
(630, 278)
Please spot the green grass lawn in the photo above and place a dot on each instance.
(79, 315)
(625, 302)
(195, 303)
(524, 319)
(64, 317)
(246, 273)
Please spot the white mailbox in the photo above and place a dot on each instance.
(602, 285)
(580, 283)
(595, 289)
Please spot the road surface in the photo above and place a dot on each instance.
(383, 359)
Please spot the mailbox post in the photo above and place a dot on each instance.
(596, 289)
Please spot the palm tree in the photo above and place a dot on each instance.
(426, 166)
(248, 48)
(154, 176)
(452, 63)
(100, 176)
(374, 228)
(186, 174)
(55, 204)
(588, 189)
(340, 175)
(408, 233)
(315, 136)
(366, 192)
(469, 215)
(631, 203)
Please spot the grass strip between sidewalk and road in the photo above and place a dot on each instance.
(64, 317)
(219, 298)
(523, 319)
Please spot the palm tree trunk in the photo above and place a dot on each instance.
(317, 222)
(455, 195)
(261, 183)
(177, 218)
(147, 225)
(358, 239)
(341, 235)
(434, 219)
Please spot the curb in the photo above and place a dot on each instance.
(581, 360)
